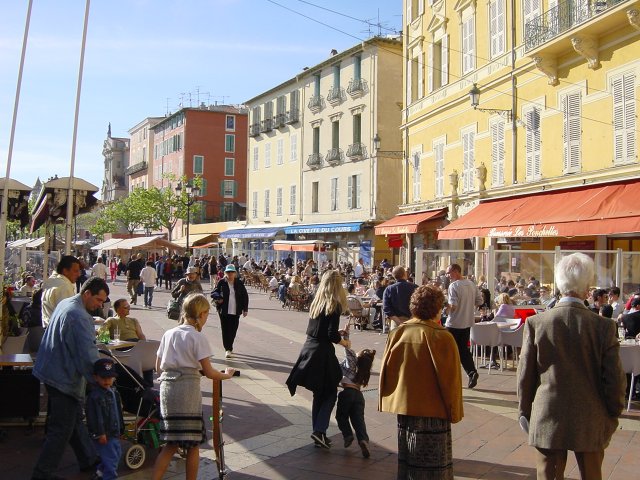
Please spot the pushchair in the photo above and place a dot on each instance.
(141, 400)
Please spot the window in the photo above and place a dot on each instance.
(203, 187)
(353, 191)
(268, 110)
(294, 148)
(255, 115)
(335, 134)
(417, 174)
(279, 201)
(256, 158)
(280, 151)
(571, 131)
(316, 84)
(357, 67)
(231, 123)
(334, 194)
(292, 200)
(226, 212)
(266, 203)
(415, 8)
(198, 161)
(438, 153)
(496, 27)
(357, 128)
(254, 205)
(532, 144)
(624, 118)
(531, 9)
(229, 167)
(228, 188)
(294, 101)
(497, 152)
(415, 75)
(438, 71)
(316, 139)
(267, 155)
(281, 105)
(468, 45)
(336, 76)
(315, 189)
(144, 154)
(468, 161)
(230, 143)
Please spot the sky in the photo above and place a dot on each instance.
(144, 57)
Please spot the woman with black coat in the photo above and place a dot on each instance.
(232, 300)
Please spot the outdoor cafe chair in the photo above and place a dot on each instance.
(630, 358)
(485, 334)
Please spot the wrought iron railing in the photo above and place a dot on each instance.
(357, 87)
(315, 103)
(254, 129)
(292, 116)
(334, 156)
(279, 120)
(335, 96)
(136, 167)
(266, 125)
(357, 151)
(314, 161)
(562, 18)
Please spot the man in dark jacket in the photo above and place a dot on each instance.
(134, 268)
(232, 299)
(631, 321)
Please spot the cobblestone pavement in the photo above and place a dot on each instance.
(267, 431)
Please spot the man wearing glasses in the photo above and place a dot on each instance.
(64, 364)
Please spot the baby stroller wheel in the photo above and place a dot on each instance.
(135, 456)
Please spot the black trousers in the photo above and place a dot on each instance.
(461, 336)
(229, 326)
(350, 412)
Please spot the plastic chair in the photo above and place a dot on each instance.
(630, 358)
(357, 315)
(15, 345)
(141, 357)
(513, 339)
(485, 335)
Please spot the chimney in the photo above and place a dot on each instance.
(333, 53)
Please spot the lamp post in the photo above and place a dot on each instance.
(474, 96)
(192, 192)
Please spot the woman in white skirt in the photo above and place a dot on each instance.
(183, 353)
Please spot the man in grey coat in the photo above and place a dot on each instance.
(570, 379)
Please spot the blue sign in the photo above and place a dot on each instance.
(324, 228)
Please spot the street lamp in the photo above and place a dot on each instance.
(474, 96)
(192, 191)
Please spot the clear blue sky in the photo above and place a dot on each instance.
(141, 52)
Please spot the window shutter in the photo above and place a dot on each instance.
(409, 12)
(409, 62)
(416, 176)
(501, 27)
(497, 153)
(572, 132)
(294, 148)
(472, 43)
(624, 118)
(358, 192)
(420, 65)
(234, 188)
(420, 7)
(350, 191)
(431, 68)
(222, 188)
(630, 115)
(444, 57)
(493, 26)
(439, 158)
(532, 119)
(333, 192)
(468, 161)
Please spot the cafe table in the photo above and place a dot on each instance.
(115, 345)
(16, 360)
(17, 378)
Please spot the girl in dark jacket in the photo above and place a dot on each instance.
(317, 368)
(230, 307)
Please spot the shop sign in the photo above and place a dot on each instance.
(532, 231)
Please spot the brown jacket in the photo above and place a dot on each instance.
(420, 373)
(570, 379)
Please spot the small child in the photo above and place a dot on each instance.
(104, 418)
(356, 370)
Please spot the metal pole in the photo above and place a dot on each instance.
(188, 219)
(70, 202)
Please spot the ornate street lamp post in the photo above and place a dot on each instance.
(192, 193)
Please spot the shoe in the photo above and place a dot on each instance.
(228, 354)
(320, 440)
(364, 446)
(473, 379)
(92, 467)
(327, 440)
(348, 441)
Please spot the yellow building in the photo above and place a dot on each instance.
(544, 153)
(141, 144)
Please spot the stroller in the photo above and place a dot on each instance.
(139, 399)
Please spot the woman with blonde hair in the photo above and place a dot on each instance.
(183, 353)
(504, 306)
(317, 368)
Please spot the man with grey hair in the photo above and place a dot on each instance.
(570, 379)
(395, 299)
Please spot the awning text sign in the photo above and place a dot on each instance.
(532, 231)
(398, 229)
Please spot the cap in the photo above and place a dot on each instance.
(105, 368)
(192, 270)
(230, 268)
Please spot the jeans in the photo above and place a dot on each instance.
(110, 457)
(321, 409)
(132, 285)
(461, 336)
(148, 296)
(351, 408)
(64, 425)
(229, 325)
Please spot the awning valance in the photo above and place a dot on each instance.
(194, 239)
(107, 243)
(595, 210)
(251, 232)
(408, 222)
(298, 245)
(342, 227)
(143, 243)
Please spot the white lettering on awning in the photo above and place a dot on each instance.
(530, 231)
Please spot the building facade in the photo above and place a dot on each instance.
(553, 109)
(314, 173)
(141, 144)
(116, 160)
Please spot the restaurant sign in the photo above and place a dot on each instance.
(532, 231)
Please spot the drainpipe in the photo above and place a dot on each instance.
(514, 99)
(301, 148)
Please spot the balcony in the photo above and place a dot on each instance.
(357, 87)
(314, 161)
(316, 103)
(357, 151)
(334, 157)
(279, 120)
(254, 129)
(136, 168)
(335, 96)
(266, 125)
(292, 116)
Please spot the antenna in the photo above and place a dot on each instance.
(181, 95)
(167, 110)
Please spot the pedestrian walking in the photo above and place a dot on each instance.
(148, 276)
(317, 368)
(232, 300)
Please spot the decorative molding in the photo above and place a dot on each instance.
(462, 5)
(633, 14)
(587, 46)
(549, 66)
(437, 21)
(358, 109)
(316, 123)
(334, 117)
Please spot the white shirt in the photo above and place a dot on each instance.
(358, 271)
(231, 310)
(100, 270)
(247, 266)
(183, 347)
(148, 276)
(466, 296)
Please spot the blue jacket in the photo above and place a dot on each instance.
(396, 297)
(104, 413)
(68, 349)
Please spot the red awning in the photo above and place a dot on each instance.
(408, 222)
(596, 210)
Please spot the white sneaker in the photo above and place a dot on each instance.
(227, 354)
